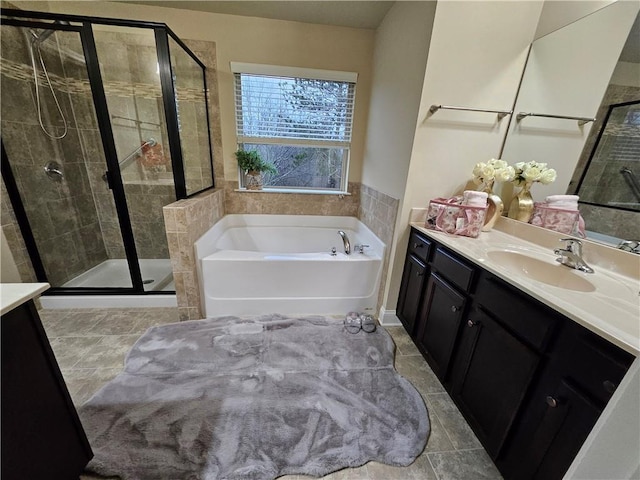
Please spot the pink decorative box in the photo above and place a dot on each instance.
(448, 215)
(557, 219)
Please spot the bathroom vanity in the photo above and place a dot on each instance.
(42, 437)
(529, 366)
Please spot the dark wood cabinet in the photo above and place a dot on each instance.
(569, 415)
(581, 373)
(42, 437)
(439, 322)
(413, 279)
(530, 382)
(492, 373)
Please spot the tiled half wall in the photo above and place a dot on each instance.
(185, 222)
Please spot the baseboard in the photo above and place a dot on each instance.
(108, 301)
(388, 318)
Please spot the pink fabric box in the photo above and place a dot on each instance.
(557, 219)
(448, 215)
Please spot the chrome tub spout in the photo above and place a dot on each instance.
(345, 240)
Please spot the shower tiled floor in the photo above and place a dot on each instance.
(90, 346)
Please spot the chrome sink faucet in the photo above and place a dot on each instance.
(345, 240)
(571, 256)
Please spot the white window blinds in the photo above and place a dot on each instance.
(299, 110)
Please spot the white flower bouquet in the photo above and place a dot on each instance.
(486, 173)
(530, 172)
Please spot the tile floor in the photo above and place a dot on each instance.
(90, 346)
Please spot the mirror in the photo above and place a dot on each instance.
(608, 173)
(566, 75)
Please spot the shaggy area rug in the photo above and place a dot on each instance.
(236, 398)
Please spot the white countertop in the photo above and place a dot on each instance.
(15, 294)
(612, 310)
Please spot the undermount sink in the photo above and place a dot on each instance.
(542, 271)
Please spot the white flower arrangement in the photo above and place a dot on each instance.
(529, 172)
(485, 173)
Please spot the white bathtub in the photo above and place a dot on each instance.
(255, 264)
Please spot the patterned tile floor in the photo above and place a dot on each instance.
(90, 346)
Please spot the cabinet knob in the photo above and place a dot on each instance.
(471, 323)
(420, 274)
(609, 386)
(454, 308)
(418, 245)
(552, 402)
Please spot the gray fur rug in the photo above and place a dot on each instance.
(236, 398)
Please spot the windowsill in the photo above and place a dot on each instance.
(293, 190)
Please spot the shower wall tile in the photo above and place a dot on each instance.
(11, 230)
(185, 222)
(617, 223)
(16, 98)
(61, 212)
(145, 200)
(378, 211)
(17, 150)
(206, 52)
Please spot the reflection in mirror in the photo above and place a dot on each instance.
(607, 176)
(611, 177)
(566, 75)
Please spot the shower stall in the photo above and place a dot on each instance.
(103, 122)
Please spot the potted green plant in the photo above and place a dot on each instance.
(251, 163)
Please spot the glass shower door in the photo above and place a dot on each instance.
(130, 73)
(55, 159)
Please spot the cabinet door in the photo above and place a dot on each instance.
(567, 421)
(411, 292)
(438, 324)
(42, 437)
(492, 372)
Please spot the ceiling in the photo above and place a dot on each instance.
(357, 14)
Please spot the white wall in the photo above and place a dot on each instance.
(470, 64)
(567, 74)
(559, 13)
(399, 61)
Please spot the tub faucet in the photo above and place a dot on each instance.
(360, 248)
(571, 256)
(345, 240)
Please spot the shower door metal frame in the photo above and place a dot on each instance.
(161, 32)
(115, 181)
(171, 108)
(165, 80)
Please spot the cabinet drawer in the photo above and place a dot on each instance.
(524, 316)
(419, 246)
(452, 268)
(590, 361)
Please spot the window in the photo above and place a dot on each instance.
(299, 120)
